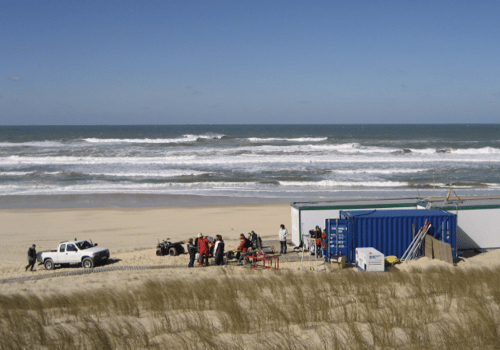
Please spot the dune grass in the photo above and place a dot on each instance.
(436, 308)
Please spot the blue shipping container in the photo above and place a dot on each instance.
(338, 241)
(390, 231)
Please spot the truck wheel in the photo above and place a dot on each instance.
(158, 252)
(87, 263)
(49, 264)
(172, 251)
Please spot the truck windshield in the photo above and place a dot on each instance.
(71, 248)
(84, 245)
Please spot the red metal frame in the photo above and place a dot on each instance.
(260, 261)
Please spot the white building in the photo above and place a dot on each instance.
(307, 215)
(478, 218)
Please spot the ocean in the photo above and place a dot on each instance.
(269, 162)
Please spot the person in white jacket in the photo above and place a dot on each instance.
(282, 237)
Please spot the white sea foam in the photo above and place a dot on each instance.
(106, 187)
(160, 174)
(16, 173)
(484, 150)
(380, 171)
(184, 138)
(41, 144)
(331, 183)
(423, 151)
(279, 139)
(207, 137)
(214, 159)
(217, 188)
(346, 148)
(177, 140)
(275, 149)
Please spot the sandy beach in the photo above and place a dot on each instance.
(156, 301)
(131, 234)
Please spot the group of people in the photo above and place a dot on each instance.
(202, 247)
(320, 250)
(253, 242)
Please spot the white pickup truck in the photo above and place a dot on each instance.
(74, 252)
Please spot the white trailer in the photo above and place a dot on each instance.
(478, 220)
(307, 215)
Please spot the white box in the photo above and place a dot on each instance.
(370, 259)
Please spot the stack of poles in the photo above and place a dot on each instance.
(413, 249)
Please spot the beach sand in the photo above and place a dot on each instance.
(131, 235)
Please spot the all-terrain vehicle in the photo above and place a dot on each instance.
(169, 248)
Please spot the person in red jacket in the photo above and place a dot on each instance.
(243, 247)
(323, 239)
(318, 247)
(203, 249)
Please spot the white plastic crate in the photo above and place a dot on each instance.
(370, 259)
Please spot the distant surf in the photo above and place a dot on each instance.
(286, 162)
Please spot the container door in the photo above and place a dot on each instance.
(337, 239)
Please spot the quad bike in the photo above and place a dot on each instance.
(169, 248)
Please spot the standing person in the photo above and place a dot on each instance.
(283, 232)
(203, 249)
(219, 250)
(318, 251)
(192, 252)
(31, 257)
(318, 247)
(256, 241)
(323, 240)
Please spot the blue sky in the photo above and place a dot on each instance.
(246, 62)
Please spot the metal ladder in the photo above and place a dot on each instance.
(412, 250)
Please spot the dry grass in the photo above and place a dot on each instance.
(421, 309)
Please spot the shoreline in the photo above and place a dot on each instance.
(143, 200)
(125, 200)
